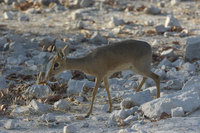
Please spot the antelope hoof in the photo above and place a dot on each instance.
(109, 111)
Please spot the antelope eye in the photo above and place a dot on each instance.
(56, 65)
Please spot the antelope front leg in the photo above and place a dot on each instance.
(141, 83)
(105, 80)
(97, 84)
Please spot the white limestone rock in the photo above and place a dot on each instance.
(75, 86)
(174, 74)
(61, 105)
(49, 117)
(149, 22)
(3, 83)
(114, 22)
(168, 53)
(46, 41)
(175, 2)
(192, 48)
(23, 17)
(188, 100)
(165, 62)
(10, 124)
(189, 67)
(139, 97)
(39, 107)
(127, 103)
(21, 110)
(76, 15)
(161, 73)
(177, 112)
(69, 129)
(38, 91)
(8, 15)
(178, 63)
(86, 3)
(130, 119)
(175, 84)
(172, 21)
(97, 38)
(193, 82)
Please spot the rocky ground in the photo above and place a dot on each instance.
(31, 31)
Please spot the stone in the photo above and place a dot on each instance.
(75, 87)
(168, 53)
(173, 74)
(9, 2)
(175, 84)
(189, 67)
(96, 38)
(193, 82)
(149, 22)
(22, 18)
(165, 62)
(122, 114)
(3, 41)
(46, 41)
(157, 43)
(152, 10)
(85, 125)
(39, 107)
(86, 3)
(49, 117)
(140, 98)
(10, 124)
(38, 91)
(76, 15)
(177, 112)
(192, 48)
(172, 21)
(21, 110)
(114, 22)
(61, 105)
(178, 63)
(64, 77)
(127, 74)
(69, 129)
(175, 2)
(130, 119)
(188, 100)
(127, 104)
(8, 15)
(161, 73)
(116, 30)
(3, 83)
(161, 28)
(105, 108)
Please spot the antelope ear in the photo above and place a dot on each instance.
(65, 50)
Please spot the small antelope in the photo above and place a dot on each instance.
(104, 61)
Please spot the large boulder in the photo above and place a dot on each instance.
(38, 91)
(192, 48)
(189, 100)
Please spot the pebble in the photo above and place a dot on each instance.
(177, 112)
(69, 129)
(168, 53)
(3, 83)
(152, 10)
(61, 105)
(10, 124)
(8, 15)
(39, 107)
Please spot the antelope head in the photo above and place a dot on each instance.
(58, 63)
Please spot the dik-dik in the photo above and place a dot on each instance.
(104, 61)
